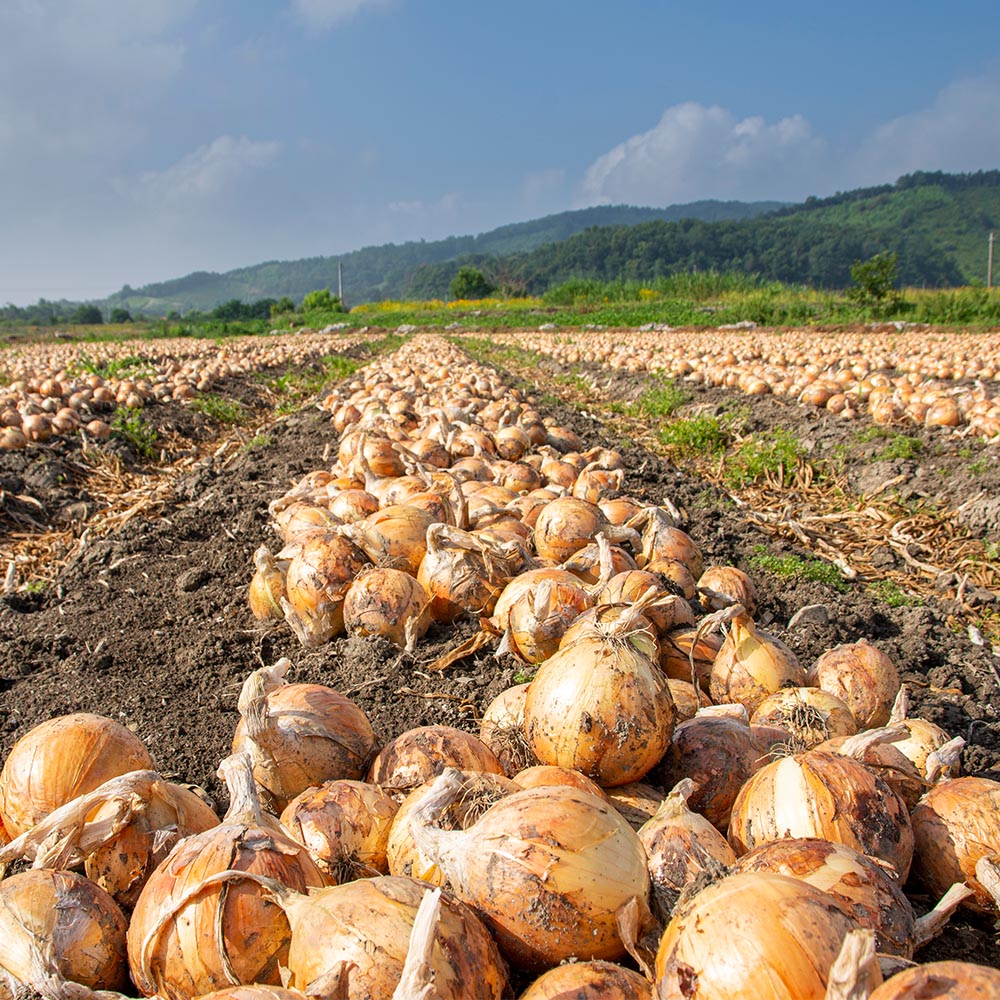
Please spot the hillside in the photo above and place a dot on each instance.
(937, 223)
(383, 272)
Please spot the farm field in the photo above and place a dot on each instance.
(874, 504)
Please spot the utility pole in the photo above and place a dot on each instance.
(340, 276)
(989, 265)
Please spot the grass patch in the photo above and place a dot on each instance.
(118, 368)
(889, 592)
(129, 425)
(219, 408)
(695, 436)
(756, 457)
(979, 465)
(796, 568)
(258, 441)
(902, 446)
(663, 399)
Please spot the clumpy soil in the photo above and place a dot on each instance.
(150, 624)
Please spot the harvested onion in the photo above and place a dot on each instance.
(809, 716)
(387, 602)
(502, 730)
(947, 980)
(589, 981)
(863, 677)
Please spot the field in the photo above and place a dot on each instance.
(128, 558)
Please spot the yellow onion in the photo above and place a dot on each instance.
(719, 754)
(594, 563)
(301, 516)
(809, 716)
(395, 536)
(618, 510)
(539, 618)
(947, 980)
(547, 868)
(58, 928)
(676, 651)
(481, 791)
(502, 730)
(589, 981)
(825, 795)
(751, 936)
(669, 611)
(298, 735)
(606, 617)
(601, 705)
(675, 574)
(721, 586)
(60, 759)
(681, 845)
(751, 665)
(317, 578)
(661, 538)
(930, 749)
(255, 992)
(862, 676)
(353, 505)
(566, 525)
(387, 602)
(687, 699)
(955, 825)
(418, 755)
(528, 581)
(345, 827)
(882, 758)
(594, 483)
(637, 801)
(463, 574)
(547, 775)
(267, 587)
(869, 890)
(196, 929)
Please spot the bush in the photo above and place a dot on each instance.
(87, 314)
(471, 283)
(321, 300)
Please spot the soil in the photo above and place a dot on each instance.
(150, 624)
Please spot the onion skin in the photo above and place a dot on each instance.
(863, 677)
(873, 896)
(752, 936)
(941, 981)
(255, 992)
(387, 602)
(589, 981)
(954, 825)
(60, 759)
(547, 868)
(809, 715)
(74, 927)
(502, 730)
(826, 795)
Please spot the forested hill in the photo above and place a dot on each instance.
(938, 224)
(384, 272)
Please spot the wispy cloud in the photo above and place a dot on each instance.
(320, 15)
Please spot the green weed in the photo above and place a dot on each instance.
(129, 425)
(258, 441)
(695, 436)
(758, 456)
(130, 366)
(795, 567)
(219, 408)
(890, 593)
(979, 465)
(902, 447)
(662, 399)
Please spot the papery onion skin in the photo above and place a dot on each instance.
(947, 980)
(752, 936)
(869, 892)
(255, 992)
(862, 676)
(637, 801)
(826, 795)
(589, 981)
(60, 759)
(954, 825)
(809, 715)
(547, 775)
(77, 926)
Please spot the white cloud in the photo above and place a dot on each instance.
(696, 151)
(959, 131)
(320, 15)
(208, 171)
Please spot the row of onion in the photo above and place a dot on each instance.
(930, 379)
(446, 864)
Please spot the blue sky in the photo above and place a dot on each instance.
(143, 139)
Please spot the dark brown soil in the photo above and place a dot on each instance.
(150, 625)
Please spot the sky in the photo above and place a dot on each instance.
(141, 140)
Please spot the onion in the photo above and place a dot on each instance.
(687, 699)
(882, 758)
(353, 505)
(502, 730)
(539, 618)
(954, 825)
(941, 981)
(605, 617)
(721, 586)
(395, 536)
(589, 981)
(637, 801)
(255, 992)
(862, 676)
(809, 716)
(548, 869)
(191, 933)
(661, 538)
(57, 926)
(927, 746)
(594, 483)
(547, 775)
(418, 755)
(676, 653)
(267, 587)
(669, 611)
(593, 565)
(387, 602)
(751, 936)
(601, 705)
(480, 791)
(718, 754)
(528, 581)
(752, 665)
(298, 735)
(345, 827)
(60, 759)
(680, 845)
(567, 524)
(300, 517)
(317, 579)
(826, 795)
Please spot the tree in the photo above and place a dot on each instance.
(320, 300)
(875, 279)
(471, 283)
(120, 315)
(282, 306)
(88, 314)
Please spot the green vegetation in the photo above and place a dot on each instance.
(796, 568)
(471, 283)
(875, 283)
(902, 446)
(762, 455)
(695, 436)
(258, 441)
(127, 367)
(130, 425)
(662, 398)
(889, 592)
(219, 408)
